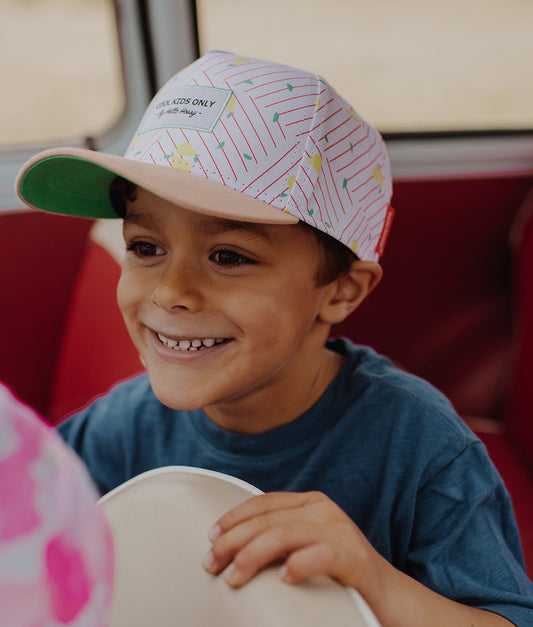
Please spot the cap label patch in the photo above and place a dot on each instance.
(191, 107)
(386, 230)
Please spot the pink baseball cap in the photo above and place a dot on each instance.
(239, 138)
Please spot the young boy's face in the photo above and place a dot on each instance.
(226, 315)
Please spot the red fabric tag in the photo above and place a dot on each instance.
(386, 230)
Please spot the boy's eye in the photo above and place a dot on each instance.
(226, 257)
(145, 249)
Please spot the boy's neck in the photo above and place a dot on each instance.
(266, 409)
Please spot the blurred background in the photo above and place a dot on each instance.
(405, 65)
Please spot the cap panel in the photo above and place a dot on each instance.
(278, 143)
(278, 134)
(251, 144)
(344, 159)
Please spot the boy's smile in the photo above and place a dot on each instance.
(225, 314)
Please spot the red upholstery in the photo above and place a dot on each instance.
(450, 310)
(519, 410)
(40, 255)
(62, 336)
(444, 308)
(95, 350)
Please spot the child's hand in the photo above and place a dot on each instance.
(308, 530)
(314, 536)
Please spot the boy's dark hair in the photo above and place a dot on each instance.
(336, 258)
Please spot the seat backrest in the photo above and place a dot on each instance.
(95, 349)
(444, 309)
(519, 413)
(40, 255)
(62, 336)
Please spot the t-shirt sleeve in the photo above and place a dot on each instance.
(101, 434)
(477, 558)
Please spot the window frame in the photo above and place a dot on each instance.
(158, 38)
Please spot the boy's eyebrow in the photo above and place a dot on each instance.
(220, 226)
(138, 217)
(208, 225)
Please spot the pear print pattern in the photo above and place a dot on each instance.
(338, 181)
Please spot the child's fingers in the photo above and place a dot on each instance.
(351, 565)
(291, 538)
(258, 505)
(266, 549)
(321, 558)
(228, 544)
(332, 545)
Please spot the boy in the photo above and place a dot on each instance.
(256, 206)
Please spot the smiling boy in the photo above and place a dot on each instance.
(241, 227)
(228, 315)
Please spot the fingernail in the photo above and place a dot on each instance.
(209, 561)
(284, 575)
(230, 576)
(214, 533)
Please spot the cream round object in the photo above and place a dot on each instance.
(160, 520)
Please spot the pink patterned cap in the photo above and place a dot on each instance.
(240, 138)
(56, 552)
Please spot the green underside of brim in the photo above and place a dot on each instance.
(69, 185)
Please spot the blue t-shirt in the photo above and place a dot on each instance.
(384, 445)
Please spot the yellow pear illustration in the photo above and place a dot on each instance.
(230, 107)
(317, 102)
(378, 175)
(316, 161)
(179, 163)
(186, 149)
(353, 246)
(291, 181)
(135, 140)
(240, 60)
(351, 114)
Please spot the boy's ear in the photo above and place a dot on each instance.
(349, 291)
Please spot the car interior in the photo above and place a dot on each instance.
(455, 305)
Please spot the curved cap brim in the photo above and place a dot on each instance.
(75, 181)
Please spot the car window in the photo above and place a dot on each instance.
(61, 73)
(409, 66)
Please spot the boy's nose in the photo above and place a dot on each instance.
(178, 289)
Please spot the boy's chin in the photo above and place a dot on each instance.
(176, 399)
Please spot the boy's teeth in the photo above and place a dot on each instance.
(189, 345)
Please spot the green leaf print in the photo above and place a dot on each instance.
(221, 145)
(344, 183)
(246, 156)
(289, 87)
(328, 225)
(276, 117)
(248, 81)
(311, 211)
